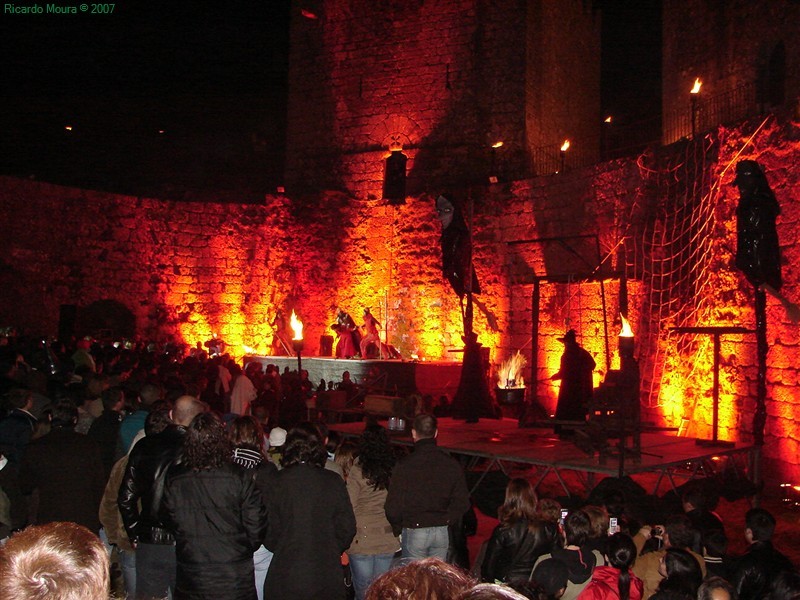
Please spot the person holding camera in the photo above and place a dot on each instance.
(677, 532)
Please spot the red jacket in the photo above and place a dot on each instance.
(603, 585)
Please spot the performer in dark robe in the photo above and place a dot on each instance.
(280, 346)
(349, 339)
(575, 374)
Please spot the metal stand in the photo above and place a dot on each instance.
(717, 333)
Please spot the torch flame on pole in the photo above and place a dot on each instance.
(696, 87)
(565, 146)
(626, 327)
(297, 326)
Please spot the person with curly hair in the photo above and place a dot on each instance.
(520, 538)
(310, 523)
(374, 546)
(216, 512)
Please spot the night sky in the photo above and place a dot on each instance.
(173, 98)
(210, 76)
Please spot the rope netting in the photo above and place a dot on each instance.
(673, 253)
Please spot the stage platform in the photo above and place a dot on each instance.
(502, 444)
(396, 377)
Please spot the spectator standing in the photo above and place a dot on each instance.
(104, 430)
(310, 524)
(374, 546)
(143, 484)
(66, 469)
(427, 493)
(247, 438)
(215, 511)
(17, 427)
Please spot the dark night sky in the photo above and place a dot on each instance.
(207, 74)
(212, 77)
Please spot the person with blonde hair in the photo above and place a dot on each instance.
(56, 561)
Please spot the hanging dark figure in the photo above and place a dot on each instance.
(457, 257)
(759, 258)
(758, 253)
(472, 399)
(575, 374)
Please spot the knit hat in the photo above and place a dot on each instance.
(551, 575)
(277, 437)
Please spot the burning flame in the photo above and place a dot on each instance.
(626, 327)
(510, 372)
(497, 144)
(565, 146)
(696, 88)
(297, 327)
(248, 350)
(608, 119)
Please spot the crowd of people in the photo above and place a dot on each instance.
(192, 477)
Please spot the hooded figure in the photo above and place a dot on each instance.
(456, 248)
(758, 252)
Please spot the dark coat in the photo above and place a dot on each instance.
(219, 520)
(16, 430)
(757, 568)
(427, 489)
(576, 383)
(105, 430)
(310, 524)
(66, 469)
(144, 481)
(512, 551)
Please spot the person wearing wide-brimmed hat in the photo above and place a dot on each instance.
(576, 381)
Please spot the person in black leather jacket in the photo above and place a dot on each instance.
(761, 563)
(144, 481)
(215, 510)
(519, 539)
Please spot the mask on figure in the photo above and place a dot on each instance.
(445, 209)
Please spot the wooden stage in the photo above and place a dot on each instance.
(396, 377)
(501, 443)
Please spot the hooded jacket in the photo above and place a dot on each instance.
(580, 564)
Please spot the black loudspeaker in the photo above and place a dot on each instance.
(326, 345)
(394, 178)
(67, 314)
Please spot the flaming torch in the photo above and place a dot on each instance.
(297, 339)
(564, 148)
(626, 340)
(693, 94)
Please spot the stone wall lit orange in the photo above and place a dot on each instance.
(189, 270)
